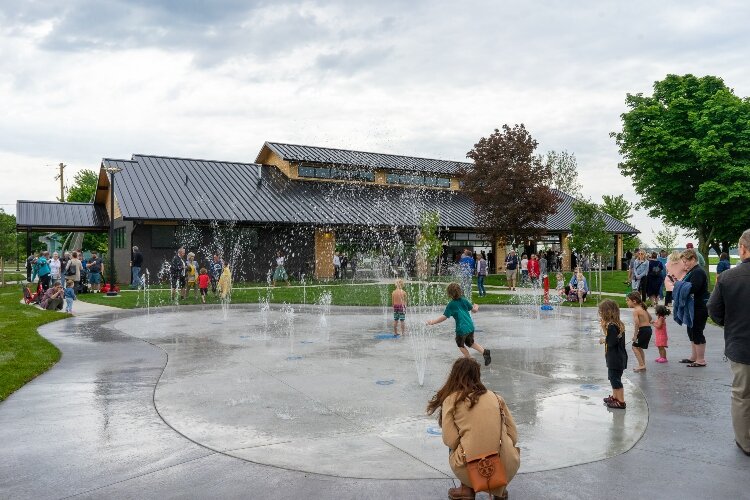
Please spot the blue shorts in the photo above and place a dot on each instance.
(95, 278)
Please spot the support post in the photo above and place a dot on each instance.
(565, 248)
(618, 252)
(325, 245)
(499, 255)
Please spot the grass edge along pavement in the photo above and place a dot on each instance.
(342, 294)
(24, 354)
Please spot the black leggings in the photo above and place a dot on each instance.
(695, 333)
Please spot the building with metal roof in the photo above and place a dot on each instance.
(302, 200)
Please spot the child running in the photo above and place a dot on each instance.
(642, 328)
(70, 296)
(203, 281)
(614, 351)
(398, 297)
(460, 308)
(660, 332)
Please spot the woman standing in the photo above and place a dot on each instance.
(474, 421)
(73, 271)
(723, 264)
(280, 272)
(55, 267)
(481, 274)
(191, 275)
(640, 274)
(675, 272)
(699, 290)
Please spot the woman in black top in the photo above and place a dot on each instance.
(699, 290)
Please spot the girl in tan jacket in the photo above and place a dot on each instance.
(470, 420)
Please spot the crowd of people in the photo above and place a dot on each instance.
(60, 279)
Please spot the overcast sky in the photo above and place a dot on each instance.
(92, 79)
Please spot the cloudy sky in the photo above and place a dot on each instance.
(84, 79)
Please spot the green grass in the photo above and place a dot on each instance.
(14, 276)
(341, 294)
(24, 353)
(714, 259)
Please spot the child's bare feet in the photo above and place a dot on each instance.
(639, 369)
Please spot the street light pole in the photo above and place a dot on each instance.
(112, 170)
(17, 268)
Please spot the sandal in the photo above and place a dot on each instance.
(687, 361)
(696, 365)
(616, 403)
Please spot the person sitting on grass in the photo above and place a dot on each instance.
(460, 309)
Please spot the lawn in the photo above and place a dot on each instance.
(341, 294)
(14, 276)
(24, 353)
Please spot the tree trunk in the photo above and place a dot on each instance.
(704, 243)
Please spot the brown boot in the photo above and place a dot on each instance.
(463, 492)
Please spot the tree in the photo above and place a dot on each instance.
(429, 245)
(620, 208)
(666, 238)
(83, 190)
(564, 172)
(589, 234)
(510, 186)
(687, 151)
(8, 237)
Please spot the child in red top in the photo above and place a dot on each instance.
(534, 270)
(203, 281)
(660, 332)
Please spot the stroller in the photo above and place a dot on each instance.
(33, 298)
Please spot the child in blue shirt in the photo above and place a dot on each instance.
(70, 296)
(460, 309)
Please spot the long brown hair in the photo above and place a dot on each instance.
(609, 314)
(636, 297)
(463, 379)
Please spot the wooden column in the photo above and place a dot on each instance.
(325, 245)
(618, 252)
(565, 249)
(499, 255)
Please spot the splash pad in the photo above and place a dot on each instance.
(280, 391)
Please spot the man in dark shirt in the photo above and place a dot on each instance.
(511, 266)
(728, 307)
(217, 267)
(95, 268)
(135, 268)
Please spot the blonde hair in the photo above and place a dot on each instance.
(674, 256)
(609, 314)
(399, 283)
(689, 254)
(454, 291)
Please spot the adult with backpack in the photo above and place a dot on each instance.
(655, 281)
(73, 271)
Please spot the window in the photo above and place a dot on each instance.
(163, 237)
(418, 180)
(119, 237)
(310, 171)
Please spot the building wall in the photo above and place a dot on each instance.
(122, 255)
(250, 259)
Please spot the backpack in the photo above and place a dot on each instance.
(657, 270)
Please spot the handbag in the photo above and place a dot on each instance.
(487, 472)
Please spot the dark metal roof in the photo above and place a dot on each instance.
(314, 154)
(166, 188)
(56, 216)
(155, 187)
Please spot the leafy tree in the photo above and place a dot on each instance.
(687, 150)
(8, 237)
(429, 244)
(621, 209)
(510, 186)
(83, 190)
(564, 172)
(589, 234)
(666, 238)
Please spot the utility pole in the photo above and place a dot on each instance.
(62, 181)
